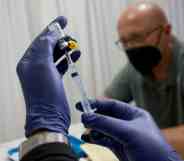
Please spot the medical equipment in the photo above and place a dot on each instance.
(72, 45)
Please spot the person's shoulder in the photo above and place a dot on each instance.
(178, 51)
(129, 68)
(129, 71)
(178, 47)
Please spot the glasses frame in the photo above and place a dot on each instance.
(141, 39)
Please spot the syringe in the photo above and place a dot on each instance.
(71, 67)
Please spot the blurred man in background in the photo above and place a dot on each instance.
(153, 75)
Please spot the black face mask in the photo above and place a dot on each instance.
(144, 58)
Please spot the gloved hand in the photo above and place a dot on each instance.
(96, 137)
(46, 104)
(131, 127)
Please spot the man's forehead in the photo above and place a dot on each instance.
(131, 33)
(132, 17)
(131, 24)
(133, 27)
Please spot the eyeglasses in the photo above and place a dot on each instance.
(122, 44)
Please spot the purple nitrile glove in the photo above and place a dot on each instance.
(46, 104)
(97, 137)
(131, 127)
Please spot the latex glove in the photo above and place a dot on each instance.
(42, 85)
(99, 138)
(96, 137)
(132, 127)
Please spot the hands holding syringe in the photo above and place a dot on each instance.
(126, 129)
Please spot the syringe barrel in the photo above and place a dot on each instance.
(75, 75)
(55, 27)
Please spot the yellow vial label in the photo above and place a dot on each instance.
(72, 44)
